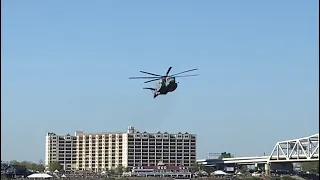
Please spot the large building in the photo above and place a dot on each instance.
(61, 149)
(104, 151)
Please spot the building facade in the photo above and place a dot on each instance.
(104, 151)
(62, 149)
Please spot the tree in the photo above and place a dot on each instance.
(126, 169)
(41, 162)
(119, 169)
(209, 169)
(225, 155)
(14, 162)
(29, 165)
(55, 166)
(196, 167)
(242, 168)
(111, 171)
(310, 166)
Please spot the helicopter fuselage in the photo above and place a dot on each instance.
(166, 85)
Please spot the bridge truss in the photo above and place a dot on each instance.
(303, 149)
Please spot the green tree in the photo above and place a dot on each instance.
(111, 171)
(14, 162)
(38, 167)
(209, 169)
(55, 166)
(225, 155)
(310, 166)
(29, 165)
(242, 168)
(196, 167)
(41, 162)
(126, 169)
(119, 169)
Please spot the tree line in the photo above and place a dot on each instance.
(37, 166)
(57, 166)
(29, 165)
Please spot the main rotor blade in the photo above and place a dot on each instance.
(168, 71)
(186, 75)
(143, 77)
(150, 73)
(152, 80)
(184, 71)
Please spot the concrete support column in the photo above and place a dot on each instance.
(267, 169)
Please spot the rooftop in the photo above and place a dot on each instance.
(130, 130)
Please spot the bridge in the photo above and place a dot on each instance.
(295, 150)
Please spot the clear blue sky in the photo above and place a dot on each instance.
(65, 67)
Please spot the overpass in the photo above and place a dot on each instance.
(246, 160)
(295, 150)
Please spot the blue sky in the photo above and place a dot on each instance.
(65, 67)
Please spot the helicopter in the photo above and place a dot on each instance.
(167, 83)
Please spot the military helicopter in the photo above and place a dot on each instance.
(167, 83)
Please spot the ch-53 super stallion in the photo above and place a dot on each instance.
(167, 83)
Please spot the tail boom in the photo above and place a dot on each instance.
(154, 91)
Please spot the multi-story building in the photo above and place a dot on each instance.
(105, 151)
(100, 151)
(61, 149)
